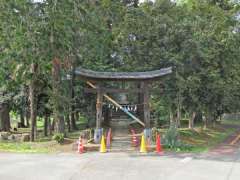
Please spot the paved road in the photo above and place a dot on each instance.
(118, 166)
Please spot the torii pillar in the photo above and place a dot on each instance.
(146, 110)
(99, 105)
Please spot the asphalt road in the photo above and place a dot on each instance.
(118, 166)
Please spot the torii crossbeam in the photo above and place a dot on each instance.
(94, 79)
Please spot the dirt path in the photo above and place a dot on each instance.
(229, 146)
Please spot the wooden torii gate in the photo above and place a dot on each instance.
(94, 79)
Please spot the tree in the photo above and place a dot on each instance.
(41, 43)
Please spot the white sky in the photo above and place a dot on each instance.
(144, 0)
(38, 0)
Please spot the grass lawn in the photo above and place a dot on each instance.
(203, 140)
(199, 140)
(42, 144)
(231, 122)
(25, 147)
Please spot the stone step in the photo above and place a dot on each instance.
(123, 123)
(116, 116)
(122, 145)
(126, 149)
(122, 137)
(120, 119)
(122, 140)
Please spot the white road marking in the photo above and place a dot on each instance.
(186, 160)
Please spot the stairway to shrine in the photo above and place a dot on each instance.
(121, 144)
(121, 134)
(121, 125)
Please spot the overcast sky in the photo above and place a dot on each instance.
(144, 0)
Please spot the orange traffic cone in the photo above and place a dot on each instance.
(159, 149)
(80, 146)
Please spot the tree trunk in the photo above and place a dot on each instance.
(46, 124)
(214, 120)
(214, 123)
(32, 99)
(179, 108)
(178, 118)
(4, 117)
(32, 112)
(204, 119)
(146, 107)
(210, 120)
(58, 106)
(53, 125)
(68, 122)
(50, 127)
(60, 126)
(191, 120)
(73, 124)
(27, 118)
(171, 118)
(72, 119)
(22, 120)
(77, 115)
(140, 102)
(220, 118)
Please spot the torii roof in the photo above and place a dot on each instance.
(114, 76)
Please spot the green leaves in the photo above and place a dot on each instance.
(198, 38)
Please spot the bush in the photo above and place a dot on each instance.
(171, 138)
(59, 138)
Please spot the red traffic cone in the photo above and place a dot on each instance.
(159, 149)
(135, 141)
(80, 146)
(109, 134)
(134, 138)
(148, 144)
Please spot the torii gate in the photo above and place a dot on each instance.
(94, 79)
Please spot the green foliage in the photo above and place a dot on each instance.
(59, 138)
(160, 112)
(83, 119)
(200, 39)
(171, 137)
